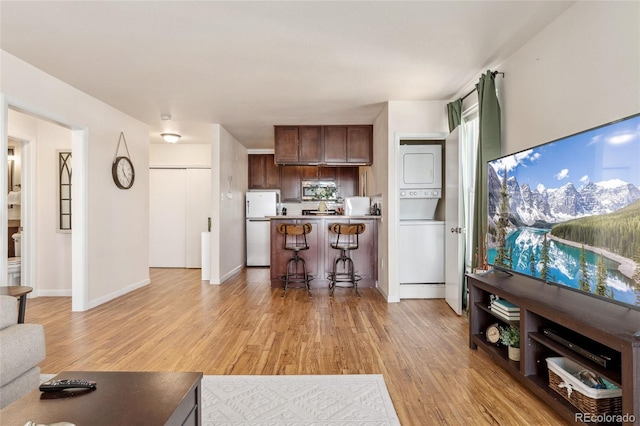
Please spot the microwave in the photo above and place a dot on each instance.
(313, 190)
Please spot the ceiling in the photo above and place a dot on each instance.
(252, 65)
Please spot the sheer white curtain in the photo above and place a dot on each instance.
(469, 152)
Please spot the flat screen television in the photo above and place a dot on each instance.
(567, 212)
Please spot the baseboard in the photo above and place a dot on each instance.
(65, 292)
(104, 299)
(421, 291)
(386, 296)
(226, 276)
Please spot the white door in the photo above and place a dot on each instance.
(179, 208)
(167, 218)
(454, 222)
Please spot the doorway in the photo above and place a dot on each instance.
(45, 250)
(14, 208)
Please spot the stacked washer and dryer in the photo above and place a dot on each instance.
(420, 236)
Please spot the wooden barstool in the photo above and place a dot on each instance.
(295, 239)
(346, 240)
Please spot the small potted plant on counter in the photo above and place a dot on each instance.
(510, 336)
(325, 194)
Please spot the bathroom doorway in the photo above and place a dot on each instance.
(45, 249)
(14, 204)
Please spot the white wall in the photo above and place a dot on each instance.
(583, 70)
(229, 157)
(418, 117)
(110, 226)
(180, 155)
(52, 248)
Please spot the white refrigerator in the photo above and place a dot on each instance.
(259, 206)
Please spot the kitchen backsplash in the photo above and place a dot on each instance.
(295, 209)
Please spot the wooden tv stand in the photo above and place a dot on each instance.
(543, 305)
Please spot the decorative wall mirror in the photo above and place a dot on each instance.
(64, 190)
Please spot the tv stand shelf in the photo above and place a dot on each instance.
(485, 308)
(615, 327)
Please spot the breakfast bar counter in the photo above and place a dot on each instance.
(321, 256)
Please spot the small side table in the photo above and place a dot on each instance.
(19, 291)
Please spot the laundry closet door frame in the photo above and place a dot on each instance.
(198, 200)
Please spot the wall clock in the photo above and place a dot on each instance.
(122, 169)
(123, 172)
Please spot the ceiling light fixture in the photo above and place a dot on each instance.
(170, 137)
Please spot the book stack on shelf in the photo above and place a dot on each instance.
(505, 309)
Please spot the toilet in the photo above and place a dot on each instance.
(13, 270)
(14, 265)
(17, 237)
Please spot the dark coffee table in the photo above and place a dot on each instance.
(121, 398)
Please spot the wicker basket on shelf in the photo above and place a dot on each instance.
(586, 399)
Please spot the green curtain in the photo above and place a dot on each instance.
(454, 111)
(489, 148)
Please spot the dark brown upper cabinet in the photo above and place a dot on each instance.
(327, 173)
(348, 181)
(360, 145)
(263, 172)
(346, 145)
(291, 184)
(298, 144)
(318, 173)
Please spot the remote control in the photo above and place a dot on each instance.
(59, 385)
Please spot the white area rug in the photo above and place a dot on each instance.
(327, 400)
(360, 399)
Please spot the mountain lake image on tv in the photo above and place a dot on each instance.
(568, 212)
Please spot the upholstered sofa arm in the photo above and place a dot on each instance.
(22, 347)
(8, 311)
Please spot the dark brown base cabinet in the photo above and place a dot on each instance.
(548, 306)
(320, 256)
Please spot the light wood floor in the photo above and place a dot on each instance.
(179, 323)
